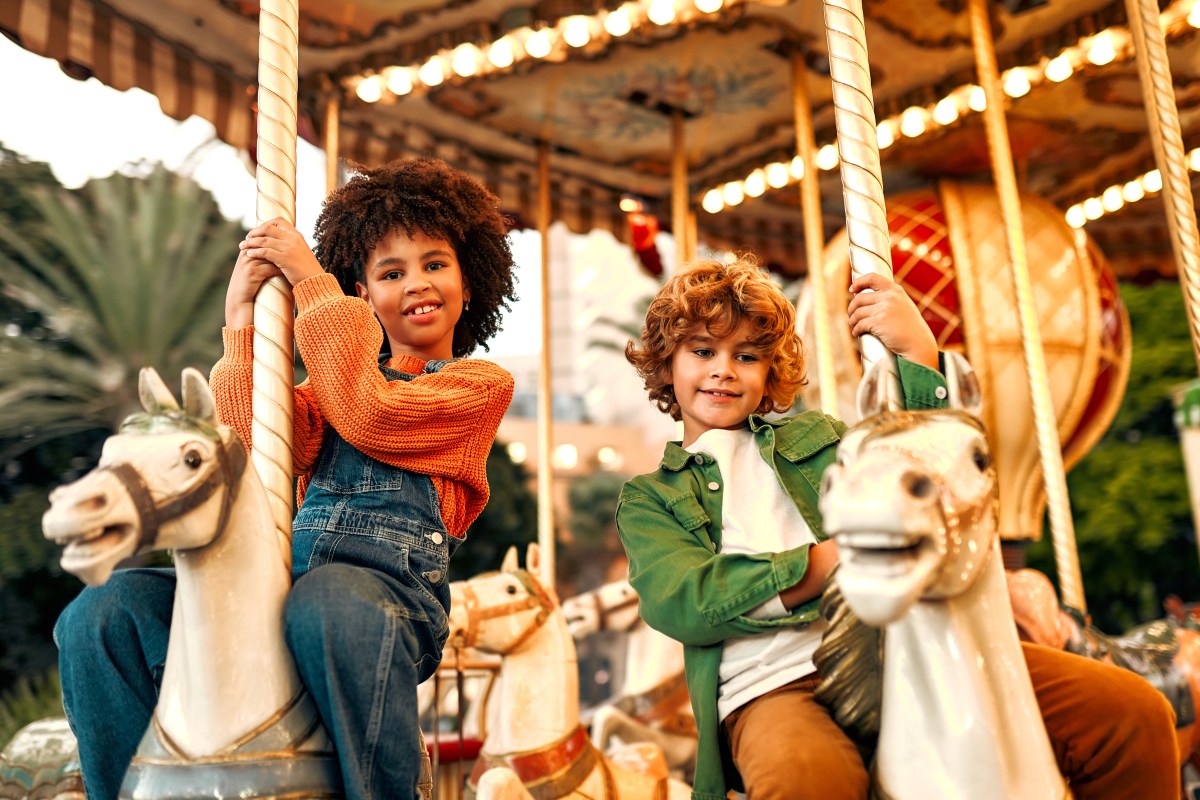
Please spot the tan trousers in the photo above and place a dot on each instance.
(1113, 735)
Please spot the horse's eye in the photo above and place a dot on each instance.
(192, 459)
(981, 458)
(512, 589)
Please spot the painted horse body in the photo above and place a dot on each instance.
(232, 717)
(912, 504)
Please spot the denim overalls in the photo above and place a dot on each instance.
(366, 618)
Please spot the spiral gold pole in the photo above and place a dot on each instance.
(814, 233)
(1159, 94)
(332, 134)
(858, 147)
(545, 420)
(1062, 528)
(680, 224)
(271, 430)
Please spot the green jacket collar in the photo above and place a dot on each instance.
(796, 438)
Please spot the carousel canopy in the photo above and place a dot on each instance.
(482, 82)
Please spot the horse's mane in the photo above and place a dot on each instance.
(849, 662)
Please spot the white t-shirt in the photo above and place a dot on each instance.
(758, 516)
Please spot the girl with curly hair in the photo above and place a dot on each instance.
(392, 428)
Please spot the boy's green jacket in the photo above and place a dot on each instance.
(670, 525)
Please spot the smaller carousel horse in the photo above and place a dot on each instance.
(535, 745)
(912, 503)
(653, 705)
(232, 717)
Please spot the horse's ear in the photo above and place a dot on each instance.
(962, 384)
(197, 397)
(875, 390)
(510, 560)
(153, 392)
(533, 558)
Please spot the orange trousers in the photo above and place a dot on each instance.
(1113, 735)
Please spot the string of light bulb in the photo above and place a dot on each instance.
(1105, 47)
(469, 60)
(1119, 195)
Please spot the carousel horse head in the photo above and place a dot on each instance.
(498, 612)
(166, 480)
(611, 607)
(912, 503)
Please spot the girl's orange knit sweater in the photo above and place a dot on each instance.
(440, 424)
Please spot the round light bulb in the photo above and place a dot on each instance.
(433, 71)
(733, 193)
(661, 12)
(797, 168)
(709, 6)
(540, 43)
(1059, 69)
(577, 31)
(713, 201)
(369, 90)
(1111, 199)
(912, 122)
(518, 452)
(1076, 217)
(465, 60)
(827, 157)
(946, 111)
(1194, 156)
(566, 456)
(1102, 49)
(977, 99)
(1152, 181)
(1133, 191)
(777, 175)
(1193, 16)
(503, 52)
(885, 133)
(617, 23)
(399, 81)
(1016, 82)
(1093, 208)
(756, 183)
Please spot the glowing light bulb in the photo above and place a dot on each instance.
(1133, 191)
(827, 157)
(369, 90)
(976, 99)
(946, 111)
(577, 31)
(756, 183)
(503, 52)
(1112, 200)
(1016, 82)
(778, 177)
(617, 23)
(797, 168)
(1102, 49)
(465, 60)
(1075, 216)
(885, 132)
(733, 193)
(709, 6)
(661, 12)
(1193, 16)
(1093, 208)
(713, 202)
(912, 122)
(1194, 156)
(1059, 68)
(399, 81)
(540, 43)
(433, 71)
(1152, 181)
(518, 452)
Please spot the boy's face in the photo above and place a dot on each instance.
(719, 382)
(415, 287)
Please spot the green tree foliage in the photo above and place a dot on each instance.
(510, 518)
(32, 698)
(125, 273)
(594, 544)
(1129, 497)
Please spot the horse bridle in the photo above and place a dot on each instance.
(226, 471)
(537, 597)
(603, 611)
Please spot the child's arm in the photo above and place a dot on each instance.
(690, 593)
(889, 314)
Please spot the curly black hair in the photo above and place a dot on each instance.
(429, 196)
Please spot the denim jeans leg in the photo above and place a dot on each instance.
(112, 645)
(361, 648)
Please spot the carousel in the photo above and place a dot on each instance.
(1033, 153)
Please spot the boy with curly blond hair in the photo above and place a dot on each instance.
(728, 556)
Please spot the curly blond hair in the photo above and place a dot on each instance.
(720, 297)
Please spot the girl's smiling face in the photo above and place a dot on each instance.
(415, 287)
(719, 381)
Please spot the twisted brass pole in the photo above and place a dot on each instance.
(1062, 528)
(1155, 72)
(814, 233)
(271, 404)
(858, 146)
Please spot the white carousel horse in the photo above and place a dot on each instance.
(653, 705)
(535, 745)
(912, 503)
(232, 717)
